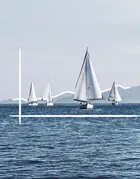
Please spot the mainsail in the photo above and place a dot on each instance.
(32, 95)
(47, 94)
(114, 94)
(87, 87)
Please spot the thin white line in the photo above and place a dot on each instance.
(77, 116)
(19, 86)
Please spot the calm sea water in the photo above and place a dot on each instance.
(70, 147)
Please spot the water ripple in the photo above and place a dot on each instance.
(70, 148)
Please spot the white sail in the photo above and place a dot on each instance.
(117, 95)
(87, 87)
(114, 94)
(80, 89)
(111, 96)
(47, 94)
(32, 95)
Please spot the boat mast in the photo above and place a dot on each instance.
(19, 85)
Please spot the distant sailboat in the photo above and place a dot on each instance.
(32, 101)
(114, 95)
(48, 95)
(87, 87)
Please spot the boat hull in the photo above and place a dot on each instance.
(50, 104)
(115, 103)
(33, 104)
(86, 106)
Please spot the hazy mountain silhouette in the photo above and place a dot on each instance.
(128, 95)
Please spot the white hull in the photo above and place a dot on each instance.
(33, 104)
(50, 104)
(115, 103)
(86, 106)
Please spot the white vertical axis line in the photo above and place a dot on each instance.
(19, 85)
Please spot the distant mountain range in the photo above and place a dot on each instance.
(128, 95)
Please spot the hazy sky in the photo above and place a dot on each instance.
(54, 34)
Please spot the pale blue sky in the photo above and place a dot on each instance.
(54, 34)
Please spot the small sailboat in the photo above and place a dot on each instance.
(47, 97)
(32, 100)
(87, 87)
(114, 95)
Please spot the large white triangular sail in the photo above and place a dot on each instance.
(87, 87)
(47, 94)
(114, 94)
(32, 95)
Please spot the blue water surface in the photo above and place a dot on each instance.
(97, 148)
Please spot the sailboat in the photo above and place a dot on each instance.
(47, 97)
(32, 100)
(114, 95)
(87, 87)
